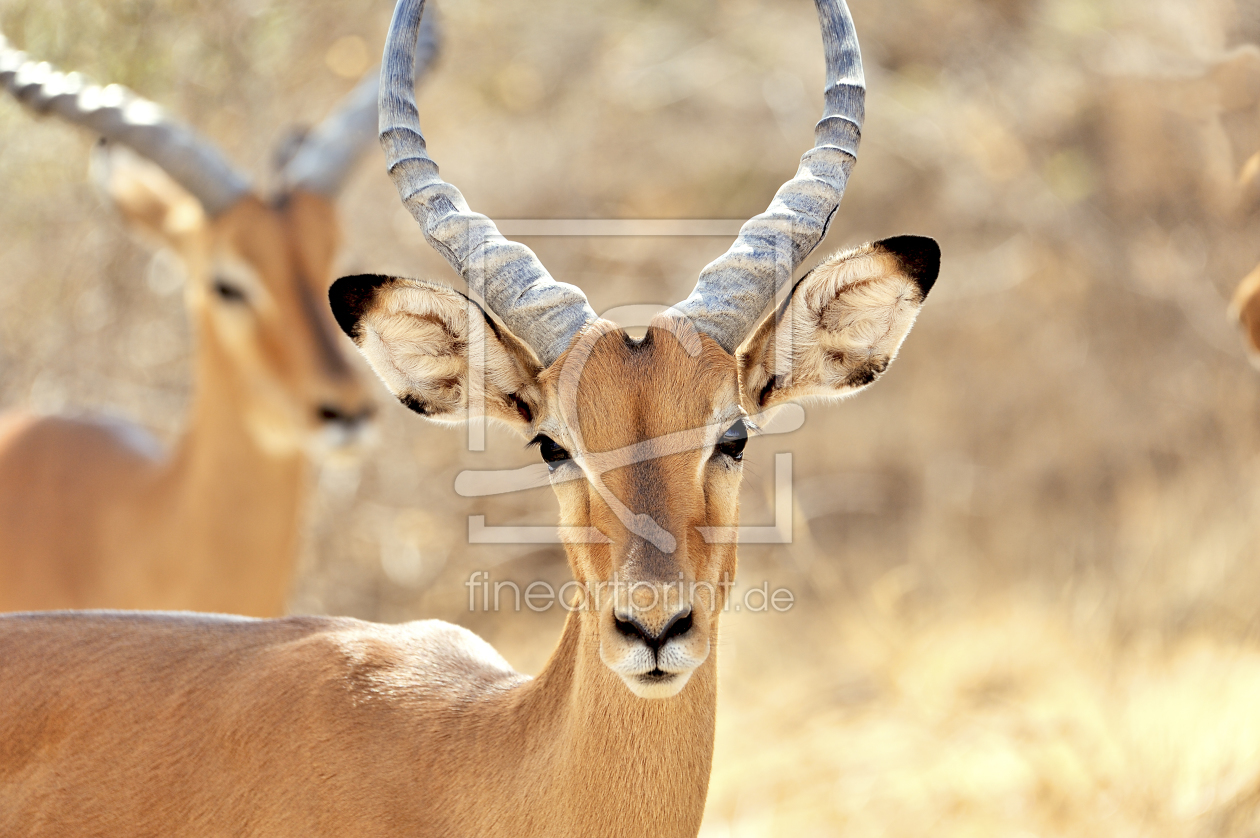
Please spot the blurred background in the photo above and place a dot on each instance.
(1025, 564)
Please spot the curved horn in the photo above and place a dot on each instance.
(328, 153)
(735, 289)
(119, 115)
(543, 313)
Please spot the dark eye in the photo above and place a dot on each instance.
(228, 292)
(553, 455)
(733, 441)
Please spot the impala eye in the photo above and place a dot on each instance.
(553, 455)
(733, 441)
(228, 292)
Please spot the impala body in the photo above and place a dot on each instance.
(93, 514)
(185, 725)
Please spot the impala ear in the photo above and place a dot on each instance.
(842, 324)
(417, 337)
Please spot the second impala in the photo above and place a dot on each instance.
(93, 514)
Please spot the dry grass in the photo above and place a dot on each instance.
(1000, 719)
(1026, 561)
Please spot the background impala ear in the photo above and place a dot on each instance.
(416, 335)
(154, 206)
(842, 325)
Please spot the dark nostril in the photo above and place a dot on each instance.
(633, 628)
(678, 625)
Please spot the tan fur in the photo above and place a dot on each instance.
(88, 519)
(329, 727)
(1233, 85)
(1245, 311)
(1244, 308)
(177, 725)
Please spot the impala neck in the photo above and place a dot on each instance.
(616, 764)
(235, 506)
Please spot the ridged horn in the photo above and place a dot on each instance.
(545, 314)
(736, 288)
(328, 153)
(121, 116)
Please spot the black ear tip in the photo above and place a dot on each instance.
(350, 297)
(919, 255)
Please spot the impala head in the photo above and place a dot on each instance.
(643, 438)
(256, 275)
(258, 270)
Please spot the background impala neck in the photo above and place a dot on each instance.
(235, 506)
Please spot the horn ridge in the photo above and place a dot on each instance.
(324, 161)
(543, 313)
(119, 115)
(734, 289)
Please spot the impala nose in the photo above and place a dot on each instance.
(655, 649)
(630, 626)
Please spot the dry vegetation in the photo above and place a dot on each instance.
(1025, 562)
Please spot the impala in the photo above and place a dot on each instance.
(1245, 306)
(1245, 310)
(1233, 82)
(91, 513)
(135, 724)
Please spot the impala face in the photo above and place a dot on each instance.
(257, 278)
(264, 302)
(644, 439)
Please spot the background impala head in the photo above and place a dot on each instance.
(254, 273)
(257, 269)
(643, 437)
